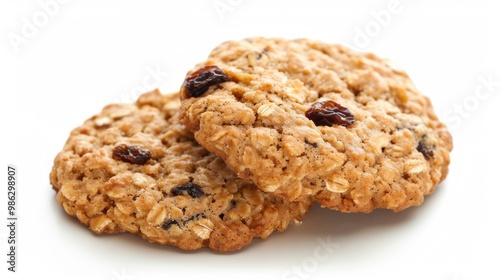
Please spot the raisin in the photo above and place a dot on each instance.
(197, 83)
(328, 113)
(195, 217)
(166, 225)
(314, 145)
(427, 151)
(131, 154)
(192, 189)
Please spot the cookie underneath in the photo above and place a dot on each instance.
(134, 168)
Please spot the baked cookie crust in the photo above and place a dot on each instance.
(393, 153)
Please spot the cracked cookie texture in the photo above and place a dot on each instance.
(134, 168)
(389, 151)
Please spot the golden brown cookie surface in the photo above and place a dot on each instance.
(301, 118)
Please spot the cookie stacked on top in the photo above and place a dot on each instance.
(262, 129)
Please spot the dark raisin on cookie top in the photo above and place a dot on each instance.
(167, 224)
(427, 151)
(193, 190)
(131, 154)
(328, 113)
(198, 82)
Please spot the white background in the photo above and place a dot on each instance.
(81, 55)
